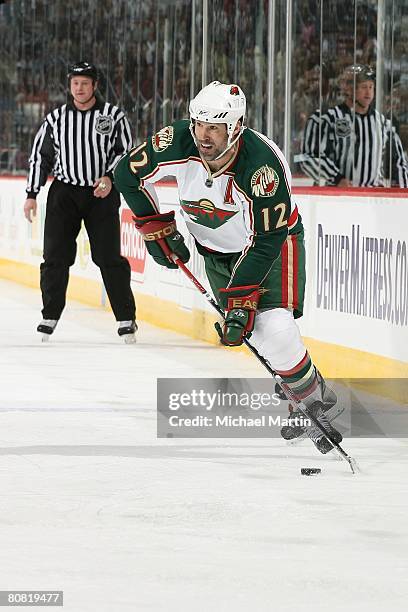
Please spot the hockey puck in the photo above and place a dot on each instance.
(310, 471)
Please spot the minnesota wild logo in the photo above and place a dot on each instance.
(204, 212)
(264, 182)
(163, 139)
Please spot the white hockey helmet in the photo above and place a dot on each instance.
(219, 103)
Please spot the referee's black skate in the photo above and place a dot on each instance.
(46, 328)
(127, 330)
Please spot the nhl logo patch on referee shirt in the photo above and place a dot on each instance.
(104, 124)
(342, 128)
(264, 182)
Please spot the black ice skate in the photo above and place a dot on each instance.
(321, 442)
(294, 429)
(293, 432)
(127, 330)
(46, 328)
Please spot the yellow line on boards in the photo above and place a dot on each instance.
(334, 361)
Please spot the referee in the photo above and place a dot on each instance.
(80, 143)
(352, 144)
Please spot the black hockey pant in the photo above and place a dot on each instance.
(67, 206)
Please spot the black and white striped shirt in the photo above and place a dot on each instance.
(78, 147)
(345, 144)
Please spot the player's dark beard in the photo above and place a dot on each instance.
(211, 156)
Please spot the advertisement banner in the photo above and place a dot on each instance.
(357, 272)
(356, 264)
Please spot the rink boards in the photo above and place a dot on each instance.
(356, 309)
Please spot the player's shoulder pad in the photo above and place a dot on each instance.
(266, 170)
(173, 141)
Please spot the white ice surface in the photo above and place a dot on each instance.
(94, 504)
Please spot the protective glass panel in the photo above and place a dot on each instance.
(399, 103)
(150, 58)
(142, 50)
(325, 43)
(237, 52)
(392, 92)
(279, 9)
(349, 93)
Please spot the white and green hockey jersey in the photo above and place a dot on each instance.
(245, 208)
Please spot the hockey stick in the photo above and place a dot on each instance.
(286, 389)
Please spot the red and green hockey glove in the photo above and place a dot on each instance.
(240, 305)
(162, 238)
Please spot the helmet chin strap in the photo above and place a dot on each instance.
(209, 181)
(231, 144)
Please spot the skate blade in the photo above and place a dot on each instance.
(45, 337)
(331, 414)
(129, 338)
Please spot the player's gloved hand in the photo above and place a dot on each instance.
(162, 238)
(240, 305)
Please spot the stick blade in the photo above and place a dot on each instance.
(353, 465)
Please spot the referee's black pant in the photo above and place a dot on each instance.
(67, 206)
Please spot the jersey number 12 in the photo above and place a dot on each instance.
(266, 214)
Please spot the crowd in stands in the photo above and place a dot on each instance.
(143, 51)
(334, 40)
(140, 70)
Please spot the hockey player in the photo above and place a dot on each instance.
(235, 194)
